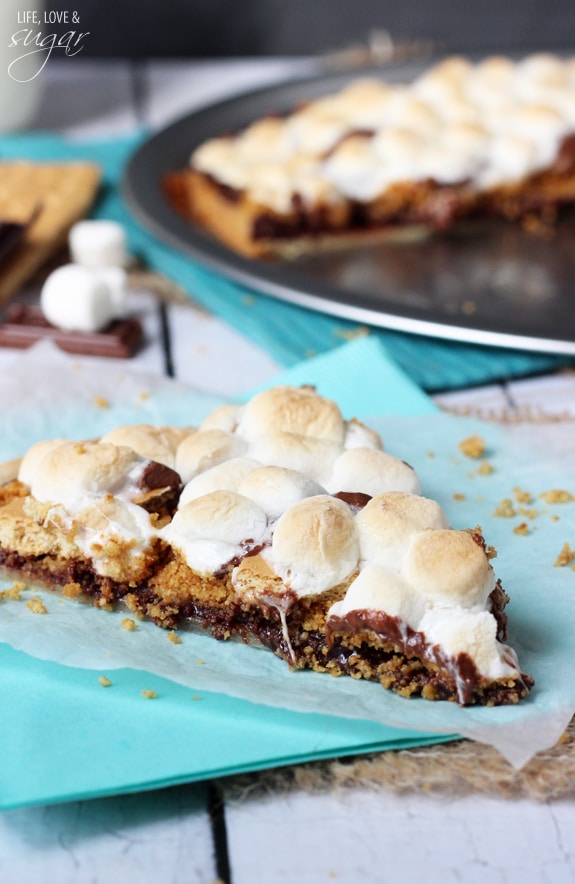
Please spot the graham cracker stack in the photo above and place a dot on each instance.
(48, 198)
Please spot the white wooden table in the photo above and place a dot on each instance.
(195, 833)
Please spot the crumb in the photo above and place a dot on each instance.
(431, 453)
(14, 592)
(200, 662)
(479, 498)
(557, 495)
(248, 300)
(565, 557)
(174, 638)
(101, 402)
(522, 496)
(104, 681)
(458, 496)
(530, 512)
(196, 697)
(143, 395)
(149, 695)
(554, 518)
(72, 590)
(490, 552)
(485, 468)
(37, 606)
(468, 307)
(505, 509)
(523, 528)
(473, 446)
(128, 624)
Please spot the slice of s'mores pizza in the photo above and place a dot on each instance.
(278, 523)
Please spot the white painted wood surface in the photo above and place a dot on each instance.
(351, 837)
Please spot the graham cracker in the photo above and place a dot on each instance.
(49, 198)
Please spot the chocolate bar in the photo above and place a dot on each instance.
(25, 325)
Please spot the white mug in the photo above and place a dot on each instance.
(21, 67)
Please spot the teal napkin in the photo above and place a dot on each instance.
(66, 737)
(289, 333)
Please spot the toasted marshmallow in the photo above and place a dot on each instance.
(98, 244)
(226, 476)
(371, 472)
(75, 298)
(305, 454)
(449, 568)
(76, 472)
(276, 489)
(205, 449)
(357, 435)
(387, 523)
(472, 633)
(296, 410)
(226, 418)
(215, 530)
(377, 589)
(31, 463)
(314, 545)
(155, 443)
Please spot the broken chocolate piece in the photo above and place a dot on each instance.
(25, 325)
(10, 235)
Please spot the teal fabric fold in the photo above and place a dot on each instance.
(289, 333)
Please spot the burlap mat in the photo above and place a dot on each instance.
(451, 769)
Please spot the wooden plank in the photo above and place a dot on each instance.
(144, 839)
(381, 838)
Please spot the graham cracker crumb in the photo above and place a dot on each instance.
(522, 528)
(101, 402)
(174, 638)
(522, 496)
(490, 552)
(128, 624)
(143, 395)
(505, 509)
(104, 681)
(557, 495)
(473, 446)
(196, 697)
(485, 468)
(149, 694)
(37, 606)
(530, 512)
(458, 496)
(14, 592)
(248, 300)
(565, 557)
(200, 662)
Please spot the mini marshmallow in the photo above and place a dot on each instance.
(98, 244)
(213, 530)
(205, 449)
(388, 522)
(292, 410)
(226, 476)
(371, 472)
(449, 567)
(314, 545)
(155, 443)
(74, 298)
(275, 489)
(377, 589)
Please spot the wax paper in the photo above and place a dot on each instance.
(541, 613)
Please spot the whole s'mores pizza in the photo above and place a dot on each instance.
(278, 523)
(495, 138)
